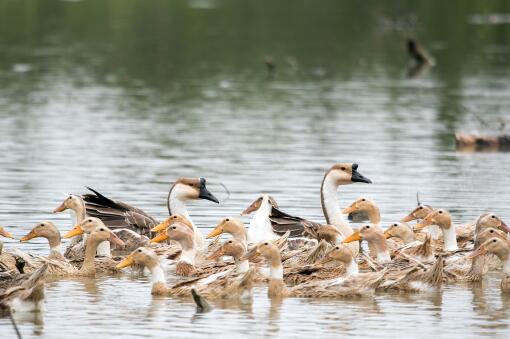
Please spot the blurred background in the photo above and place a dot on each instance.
(125, 96)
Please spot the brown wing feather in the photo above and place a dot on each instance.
(298, 227)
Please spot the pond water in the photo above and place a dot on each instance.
(126, 96)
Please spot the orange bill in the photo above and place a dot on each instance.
(424, 223)
(114, 239)
(387, 235)
(407, 218)
(161, 226)
(126, 262)
(60, 208)
(29, 236)
(5, 234)
(77, 230)
(349, 209)
(160, 237)
(478, 252)
(215, 232)
(356, 236)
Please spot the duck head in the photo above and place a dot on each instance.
(491, 220)
(72, 202)
(420, 212)
(230, 225)
(364, 205)
(141, 256)
(257, 203)
(401, 231)
(439, 217)
(231, 247)
(496, 246)
(490, 232)
(340, 253)
(45, 229)
(192, 189)
(92, 225)
(177, 231)
(176, 218)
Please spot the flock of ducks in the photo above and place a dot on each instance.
(293, 256)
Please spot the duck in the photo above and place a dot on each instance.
(116, 214)
(260, 225)
(76, 248)
(366, 206)
(418, 214)
(376, 238)
(49, 231)
(401, 231)
(443, 219)
(96, 233)
(26, 293)
(338, 175)
(4, 233)
(353, 285)
(182, 234)
(234, 227)
(500, 248)
(220, 285)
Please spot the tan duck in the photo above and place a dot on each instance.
(365, 206)
(500, 248)
(7, 260)
(337, 175)
(26, 293)
(182, 234)
(443, 219)
(418, 214)
(376, 238)
(420, 250)
(232, 226)
(220, 285)
(116, 214)
(97, 232)
(401, 231)
(350, 286)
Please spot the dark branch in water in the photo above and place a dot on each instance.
(16, 329)
(202, 304)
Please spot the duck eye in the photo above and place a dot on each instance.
(440, 212)
(266, 243)
(394, 225)
(420, 208)
(342, 168)
(174, 228)
(363, 199)
(491, 231)
(140, 250)
(230, 241)
(227, 219)
(69, 198)
(337, 248)
(494, 240)
(101, 229)
(367, 227)
(493, 217)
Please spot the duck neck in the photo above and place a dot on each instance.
(506, 266)
(275, 267)
(242, 266)
(351, 268)
(189, 251)
(408, 236)
(260, 225)
(88, 266)
(374, 215)
(240, 235)
(157, 275)
(103, 250)
(450, 238)
(381, 248)
(78, 213)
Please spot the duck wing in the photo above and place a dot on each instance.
(116, 214)
(298, 227)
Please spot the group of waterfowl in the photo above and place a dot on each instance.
(293, 256)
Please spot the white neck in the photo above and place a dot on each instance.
(178, 206)
(55, 249)
(103, 250)
(434, 232)
(506, 266)
(260, 225)
(188, 256)
(74, 217)
(352, 268)
(450, 239)
(157, 275)
(383, 257)
(276, 272)
(332, 207)
(242, 266)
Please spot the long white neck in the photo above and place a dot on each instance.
(434, 232)
(103, 250)
(242, 266)
(276, 272)
(177, 206)
(331, 207)
(352, 268)
(506, 266)
(260, 225)
(450, 239)
(157, 275)
(188, 256)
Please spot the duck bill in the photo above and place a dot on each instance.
(356, 236)
(114, 239)
(357, 176)
(126, 262)
(218, 253)
(478, 252)
(160, 237)
(423, 224)
(60, 208)
(215, 232)
(252, 208)
(5, 234)
(251, 254)
(408, 218)
(29, 236)
(205, 194)
(349, 210)
(387, 234)
(504, 227)
(161, 227)
(77, 230)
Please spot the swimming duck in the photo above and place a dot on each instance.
(353, 285)
(117, 214)
(96, 233)
(181, 233)
(260, 225)
(443, 219)
(26, 293)
(7, 259)
(500, 248)
(418, 214)
(232, 226)
(366, 206)
(401, 231)
(220, 285)
(376, 237)
(337, 175)
(50, 232)
(4, 233)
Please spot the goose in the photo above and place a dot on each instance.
(500, 248)
(76, 249)
(443, 219)
(260, 225)
(220, 285)
(376, 237)
(352, 285)
(26, 293)
(116, 214)
(337, 175)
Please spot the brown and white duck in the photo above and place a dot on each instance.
(377, 239)
(443, 219)
(500, 248)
